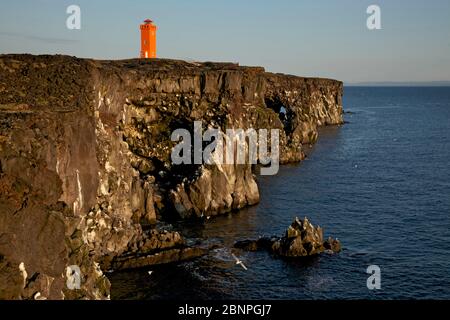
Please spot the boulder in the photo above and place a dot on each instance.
(301, 239)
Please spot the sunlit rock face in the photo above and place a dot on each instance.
(301, 239)
(85, 157)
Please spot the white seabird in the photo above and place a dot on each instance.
(239, 262)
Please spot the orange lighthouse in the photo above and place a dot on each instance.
(148, 39)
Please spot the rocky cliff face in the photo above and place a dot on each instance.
(85, 160)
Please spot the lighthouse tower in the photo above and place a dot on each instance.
(148, 39)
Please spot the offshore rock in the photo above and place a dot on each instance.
(301, 239)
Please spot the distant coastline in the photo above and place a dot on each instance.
(399, 84)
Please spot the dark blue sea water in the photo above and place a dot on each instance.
(380, 183)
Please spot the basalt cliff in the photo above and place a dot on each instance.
(86, 174)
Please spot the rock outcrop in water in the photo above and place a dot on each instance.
(85, 158)
(301, 239)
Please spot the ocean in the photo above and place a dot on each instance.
(380, 184)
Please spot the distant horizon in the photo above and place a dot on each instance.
(437, 83)
(432, 83)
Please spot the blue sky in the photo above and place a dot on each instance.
(309, 38)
